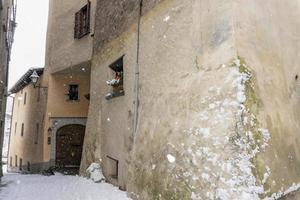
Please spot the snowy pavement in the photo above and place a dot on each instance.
(58, 187)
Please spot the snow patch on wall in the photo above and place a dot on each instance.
(280, 194)
(227, 155)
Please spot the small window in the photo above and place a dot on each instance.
(82, 21)
(28, 166)
(36, 137)
(10, 161)
(22, 130)
(118, 78)
(73, 93)
(38, 95)
(16, 161)
(20, 164)
(113, 167)
(25, 98)
(16, 125)
(49, 140)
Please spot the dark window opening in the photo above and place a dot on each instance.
(113, 166)
(16, 128)
(16, 161)
(73, 93)
(25, 98)
(49, 140)
(82, 21)
(38, 95)
(22, 130)
(117, 82)
(20, 164)
(28, 166)
(36, 137)
(10, 161)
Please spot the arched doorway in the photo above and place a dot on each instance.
(69, 142)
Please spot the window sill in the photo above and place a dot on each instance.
(112, 95)
(73, 101)
(82, 35)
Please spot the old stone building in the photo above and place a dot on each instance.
(195, 99)
(61, 117)
(67, 71)
(176, 99)
(26, 136)
(8, 24)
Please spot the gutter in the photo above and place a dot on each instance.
(137, 74)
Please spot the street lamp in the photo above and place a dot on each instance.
(34, 78)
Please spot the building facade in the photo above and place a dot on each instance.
(26, 133)
(8, 24)
(176, 99)
(195, 99)
(67, 68)
(65, 81)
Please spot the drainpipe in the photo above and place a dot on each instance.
(137, 73)
(11, 121)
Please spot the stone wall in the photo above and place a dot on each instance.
(115, 17)
(268, 40)
(218, 113)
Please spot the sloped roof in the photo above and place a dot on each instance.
(25, 80)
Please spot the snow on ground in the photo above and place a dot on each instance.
(58, 187)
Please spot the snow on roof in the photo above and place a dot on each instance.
(25, 80)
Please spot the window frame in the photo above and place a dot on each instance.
(22, 129)
(69, 94)
(36, 136)
(82, 21)
(25, 98)
(16, 160)
(16, 126)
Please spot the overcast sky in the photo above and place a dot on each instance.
(30, 38)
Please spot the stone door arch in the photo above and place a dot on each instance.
(69, 143)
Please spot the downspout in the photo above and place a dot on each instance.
(137, 73)
(11, 124)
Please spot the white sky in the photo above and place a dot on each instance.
(30, 38)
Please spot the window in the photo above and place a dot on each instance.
(10, 161)
(117, 82)
(38, 95)
(28, 166)
(36, 137)
(16, 128)
(20, 164)
(73, 93)
(25, 97)
(22, 130)
(82, 21)
(16, 161)
(113, 167)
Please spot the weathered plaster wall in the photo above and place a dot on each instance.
(62, 49)
(181, 54)
(216, 77)
(58, 105)
(115, 17)
(268, 39)
(29, 114)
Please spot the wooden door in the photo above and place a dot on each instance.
(69, 142)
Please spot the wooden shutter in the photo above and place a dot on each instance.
(88, 17)
(77, 25)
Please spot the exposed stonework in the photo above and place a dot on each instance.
(115, 17)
